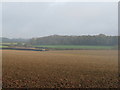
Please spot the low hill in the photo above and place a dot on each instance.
(100, 39)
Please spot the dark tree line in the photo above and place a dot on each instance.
(100, 39)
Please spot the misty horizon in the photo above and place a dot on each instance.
(58, 35)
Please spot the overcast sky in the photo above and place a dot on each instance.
(32, 19)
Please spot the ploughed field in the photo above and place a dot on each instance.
(66, 69)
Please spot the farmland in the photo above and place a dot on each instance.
(66, 69)
(60, 47)
(3, 46)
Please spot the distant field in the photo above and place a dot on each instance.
(66, 47)
(74, 47)
(7, 43)
(60, 69)
(3, 46)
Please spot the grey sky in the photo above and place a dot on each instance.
(27, 20)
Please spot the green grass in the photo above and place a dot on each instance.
(3, 46)
(74, 47)
(8, 43)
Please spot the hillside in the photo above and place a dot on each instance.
(100, 39)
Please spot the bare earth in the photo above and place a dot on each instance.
(67, 69)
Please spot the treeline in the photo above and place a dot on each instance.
(100, 39)
(7, 40)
